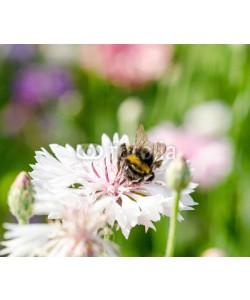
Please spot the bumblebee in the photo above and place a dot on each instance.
(139, 161)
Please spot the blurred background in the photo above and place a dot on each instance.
(195, 97)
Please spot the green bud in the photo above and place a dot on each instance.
(21, 198)
(178, 174)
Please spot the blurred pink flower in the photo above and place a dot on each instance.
(211, 158)
(127, 65)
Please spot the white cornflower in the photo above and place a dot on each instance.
(79, 232)
(126, 204)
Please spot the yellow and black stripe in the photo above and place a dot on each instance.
(139, 166)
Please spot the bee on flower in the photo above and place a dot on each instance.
(130, 184)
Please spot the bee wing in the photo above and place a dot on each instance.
(159, 150)
(141, 137)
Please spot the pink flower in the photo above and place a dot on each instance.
(127, 65)
(211, 158)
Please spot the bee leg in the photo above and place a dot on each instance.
(133, 177)
(122, 153)
(139, 180)
(150, 177)
(130, 149)
(158, 164)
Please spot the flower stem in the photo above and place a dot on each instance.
(172, 226)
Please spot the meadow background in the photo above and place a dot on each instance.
(74, 93)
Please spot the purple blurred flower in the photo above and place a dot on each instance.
(127, 65)
(211, 158)
(38, 83)
(21, 52)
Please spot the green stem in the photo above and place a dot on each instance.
(172, 226)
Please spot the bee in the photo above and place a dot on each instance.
(139, 161)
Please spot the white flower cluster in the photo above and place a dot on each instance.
(77, 228)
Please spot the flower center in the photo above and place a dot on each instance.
(112, 190)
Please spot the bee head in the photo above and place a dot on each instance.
(123, 151)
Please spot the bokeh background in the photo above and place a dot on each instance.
(196, 97)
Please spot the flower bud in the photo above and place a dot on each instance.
(178, 174)
(21, 198)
